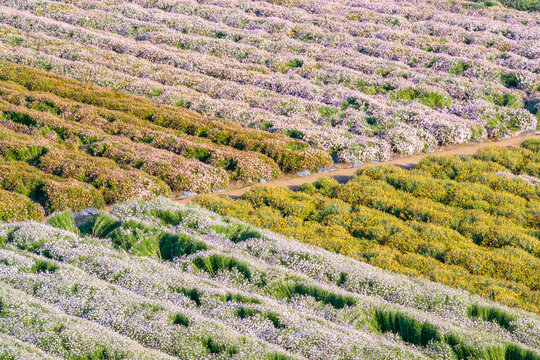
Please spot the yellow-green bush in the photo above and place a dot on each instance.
(453, 229)
(16, 207)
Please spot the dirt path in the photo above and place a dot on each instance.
(343, 173)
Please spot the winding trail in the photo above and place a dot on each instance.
(342, 173)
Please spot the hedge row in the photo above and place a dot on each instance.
(447, 229)
(291, 155)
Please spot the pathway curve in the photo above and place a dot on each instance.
(343, 173)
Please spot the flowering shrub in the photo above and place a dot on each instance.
(266, 296)
(83, 102)
(116, 184)
(178, 172)
(446, 227)
(51, 192)
(300, 69)
(15, 207)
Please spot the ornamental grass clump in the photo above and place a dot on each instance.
(63, 220)
(489, 313)
(237, 232)
(217, 262)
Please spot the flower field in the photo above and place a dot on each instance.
(112, 110)
(158, 280)
(467, 222)
(363, 80)
(71, 145)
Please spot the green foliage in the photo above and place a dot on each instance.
(41, 266)
(173, 218)
(64, 220)
(103, 353)
(295, 134)
(510, 80)
(237, 232)
(532, 145)
(214, 347)
(216, 262)
(278, 356)
(240, 298)
(428, 98)
(244, 312)
(294, 63)
(408, 328)
(488, 313)
(104, 224)
(179, 319)
(194, 294)
(290, 289)
(514, 352)
(174, 245)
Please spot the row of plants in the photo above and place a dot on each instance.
(398, 91)
(401, 220)
(280, 148)
(241, 165)
(181, 282)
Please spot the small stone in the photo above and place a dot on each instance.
(431, 149)
(326, 169)
(186, 194)
(355, 164)
(303, 173)
(263, 180)
(85, 214)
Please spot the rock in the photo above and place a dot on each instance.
(355, 164)
(84, 215)
(326, 169)
(303, 173)
(186, 194)
(263, 180)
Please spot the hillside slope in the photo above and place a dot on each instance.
(468, 222)
(161, 280)
(362, 79)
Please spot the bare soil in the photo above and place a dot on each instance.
(342, 173)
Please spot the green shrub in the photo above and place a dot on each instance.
(216, 262)
(174, 245)
(237, 232)
(290, 289)
(409, 329)
(70, 194)
(42, 266)
(488, 313)
(179, 319)
(64, 220)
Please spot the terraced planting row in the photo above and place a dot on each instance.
(469, 222)
(158, 280)
(363, 80)
(67, 144)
